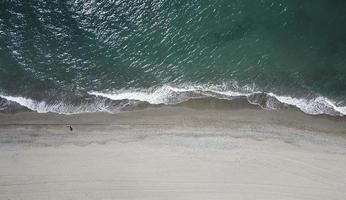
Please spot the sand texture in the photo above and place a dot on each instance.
(173, 153)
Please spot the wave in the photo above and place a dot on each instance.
(319, 105)
(88, 105)
(44, 107)
(174, 95)
(129, 99)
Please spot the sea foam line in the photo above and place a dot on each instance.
(44, 107)
(164, 94)
(172, 95)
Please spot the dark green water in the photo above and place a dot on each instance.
(65, 49)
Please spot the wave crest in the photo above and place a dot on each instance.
(174, 95)
(123, 100)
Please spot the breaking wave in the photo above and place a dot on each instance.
(129, 99)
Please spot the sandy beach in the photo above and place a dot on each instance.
(173, 153)
(172, 100)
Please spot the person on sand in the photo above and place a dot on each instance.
(71, 129)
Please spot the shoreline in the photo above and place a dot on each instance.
(190, 113)
(169, 96)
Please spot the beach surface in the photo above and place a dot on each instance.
(173, 153)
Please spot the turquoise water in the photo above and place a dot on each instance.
(74, 52)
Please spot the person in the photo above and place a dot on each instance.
(70, 127)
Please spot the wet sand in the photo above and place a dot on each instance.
(173, 153)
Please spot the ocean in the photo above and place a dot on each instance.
(69, 57)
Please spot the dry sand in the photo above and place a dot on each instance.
(173, 153)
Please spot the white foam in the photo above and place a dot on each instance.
(165, 95)
(29, 103)
(319, 105)
(172, 95)
(160, 95)
(61, 108)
